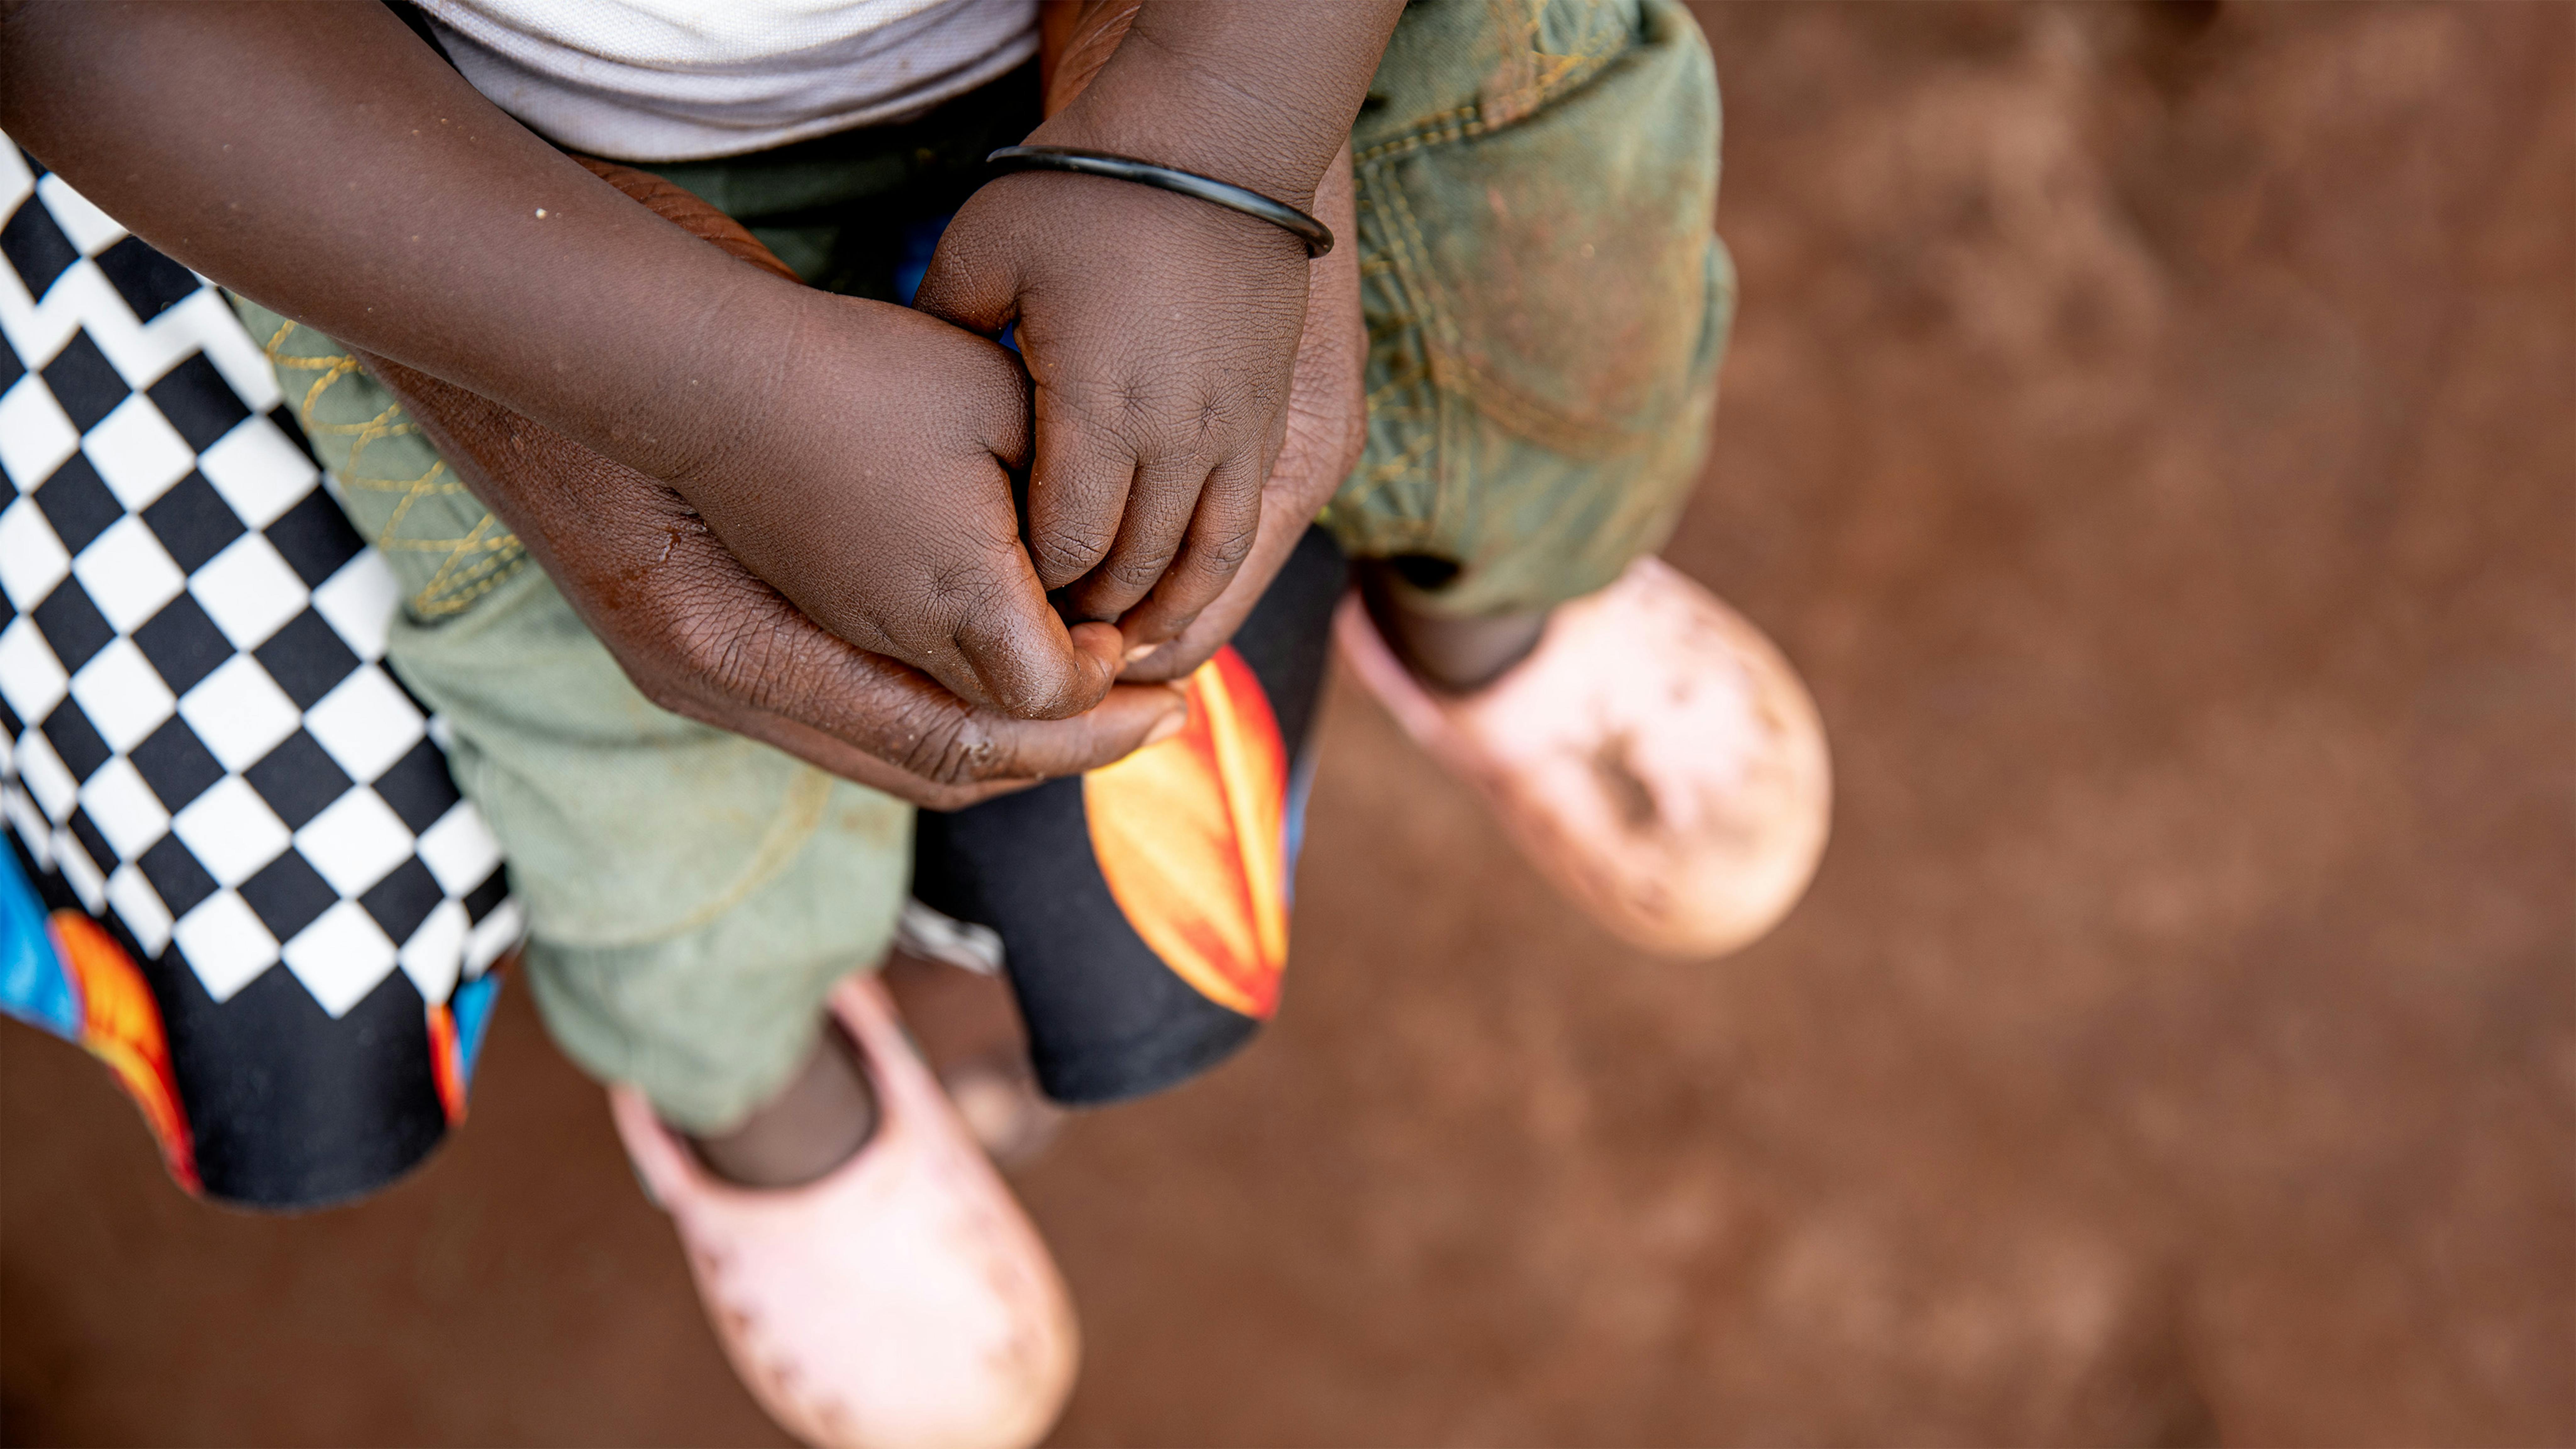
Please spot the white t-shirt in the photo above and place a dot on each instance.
(686, 80)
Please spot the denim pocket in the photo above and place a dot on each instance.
(1545, 296)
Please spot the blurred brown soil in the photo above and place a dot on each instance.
(2153, 432)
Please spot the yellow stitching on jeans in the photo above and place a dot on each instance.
(456, 583)
(456, 603)
(1421, 290)
(472, 542)
(1415, 451)
(333, 367)
(1404, 373)
(1418, 311)
(412, 494)
(499, 569)
(1439, 332)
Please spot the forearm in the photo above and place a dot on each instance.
(1261, 95)
(319, 159)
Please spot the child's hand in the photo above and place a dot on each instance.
(1326, 428)
(855, 455)
(866, 474)
(1160, 330)
(702, 637)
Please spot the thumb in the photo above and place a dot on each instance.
(1131, 717)
(972, 282)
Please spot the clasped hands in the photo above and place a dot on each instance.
(842, 567)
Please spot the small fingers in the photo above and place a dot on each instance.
(1221, 535)
(957, 598)
(1168, 490)
(1079, 486)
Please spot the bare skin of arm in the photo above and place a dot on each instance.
(698, 630)
(647, 576)
(855, 455)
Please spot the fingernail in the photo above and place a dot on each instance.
(1166, 727)
(1141, 651)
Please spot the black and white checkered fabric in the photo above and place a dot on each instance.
(200, 735)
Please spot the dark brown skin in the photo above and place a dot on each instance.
(1160, 330)
(1326, 422)
(711, 428)
(854, 454)
(702, 636)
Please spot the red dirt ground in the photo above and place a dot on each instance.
(2153, 432)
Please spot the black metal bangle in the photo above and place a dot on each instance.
(1317, 237)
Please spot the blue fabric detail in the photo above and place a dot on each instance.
(33, 985)
(471, 1007)
(1301, 783)
(920, 242)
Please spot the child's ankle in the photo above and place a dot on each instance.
(821, 1119)
(1449, 655)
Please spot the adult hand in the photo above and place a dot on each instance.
(702, 636)
(858, 456)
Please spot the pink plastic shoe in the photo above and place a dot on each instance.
(904, 1302)
(1654, 756)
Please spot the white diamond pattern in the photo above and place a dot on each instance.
(148, 756)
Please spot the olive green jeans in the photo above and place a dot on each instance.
(1546, 304)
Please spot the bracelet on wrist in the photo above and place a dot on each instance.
(1317, 237)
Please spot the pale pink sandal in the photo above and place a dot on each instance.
(1654, 756)
(903, 1302)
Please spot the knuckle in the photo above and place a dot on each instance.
(706, 648)
(743, 660)
(1227, 550)
(947, 599)
(1135, 402)
(952, 749)
(1139, 570)
(957, 587)
(1069, 546)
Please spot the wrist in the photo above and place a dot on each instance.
(1261, 97)
(736, 368)
(1282, 172)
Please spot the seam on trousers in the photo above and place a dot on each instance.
(1395, 344)
(1412, 254)
(1493, 113)
(800, 815)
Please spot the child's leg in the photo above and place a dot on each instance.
(692, 895)
(1547, 304)
(696, 902)
(1453, 655)
(818, 1121)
